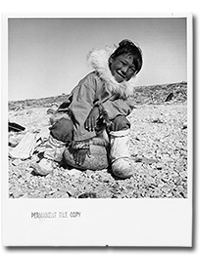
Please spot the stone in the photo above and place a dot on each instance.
(97, 160)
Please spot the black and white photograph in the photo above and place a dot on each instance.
(99, 118)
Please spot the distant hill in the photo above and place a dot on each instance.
(154, 94)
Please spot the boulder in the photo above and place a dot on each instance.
(98, 159)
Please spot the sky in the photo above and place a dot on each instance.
(47, 56)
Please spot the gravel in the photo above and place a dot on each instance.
(158, 144)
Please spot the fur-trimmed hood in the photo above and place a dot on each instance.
(98, 59)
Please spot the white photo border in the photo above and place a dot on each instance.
(97, 222)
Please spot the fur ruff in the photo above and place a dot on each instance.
(98, 59)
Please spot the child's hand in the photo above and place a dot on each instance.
(80, 155)
(91, 121)
(79, 151)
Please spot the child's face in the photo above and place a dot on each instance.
(122, 67)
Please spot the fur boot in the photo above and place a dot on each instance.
(120, 157)
(53, 152)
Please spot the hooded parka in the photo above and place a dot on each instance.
(98, 87)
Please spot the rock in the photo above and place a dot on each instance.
(96, 161)
(87, 195)
(50, 111)
(184, 126)
(169, 97)
(157, 121)
(16, 162)
(73, 172)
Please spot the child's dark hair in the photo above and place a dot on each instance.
(128, 47)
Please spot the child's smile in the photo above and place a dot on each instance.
(122, 67)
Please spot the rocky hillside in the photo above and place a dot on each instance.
(155, 94)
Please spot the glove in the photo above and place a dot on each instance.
(91, 121)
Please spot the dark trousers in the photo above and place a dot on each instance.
(62, 130)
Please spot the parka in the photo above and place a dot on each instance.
(98, 87)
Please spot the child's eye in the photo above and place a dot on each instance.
(132, 70)
(123, 63)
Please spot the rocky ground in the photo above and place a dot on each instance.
(158, 143)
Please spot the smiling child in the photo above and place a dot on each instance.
(95, 112)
